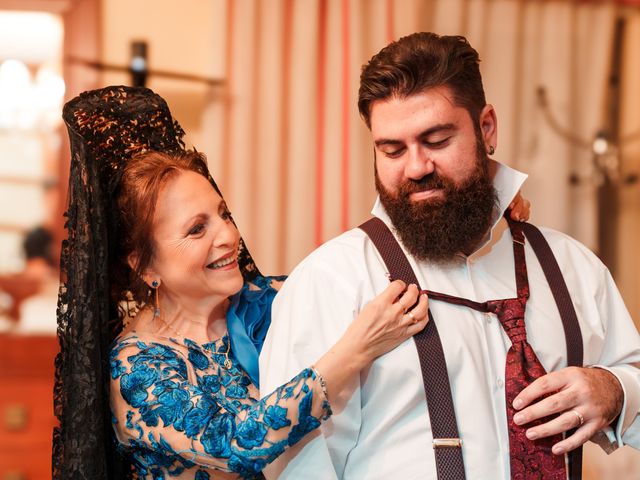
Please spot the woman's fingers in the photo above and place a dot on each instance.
(393, 291)
(409, 303)
(408, 298)
(407, 306)
(418, 311)
(520, 208)
(419, 316)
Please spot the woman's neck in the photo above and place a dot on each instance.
(199, 323)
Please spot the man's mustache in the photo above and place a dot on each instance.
(428, 182)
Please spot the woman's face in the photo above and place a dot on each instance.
(196, 244)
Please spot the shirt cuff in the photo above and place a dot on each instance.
(629, 412)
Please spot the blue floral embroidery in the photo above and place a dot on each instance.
(173, 420)
(236, 391)
(251, 433)
(210, 383)
(276, 417)
(135, 384)
(216, 435)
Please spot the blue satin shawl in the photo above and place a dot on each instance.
(248, 320)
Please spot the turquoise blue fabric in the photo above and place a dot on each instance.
(248, 320)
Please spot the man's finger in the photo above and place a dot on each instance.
(555, 403)
(560, 424)
(549, 383)
(580, 437)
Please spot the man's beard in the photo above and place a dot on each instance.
(439, 229)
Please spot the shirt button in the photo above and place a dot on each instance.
(488, 317)
(499, 383)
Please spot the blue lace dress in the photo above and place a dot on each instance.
(180, 413)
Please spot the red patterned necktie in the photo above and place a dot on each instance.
(530, 459)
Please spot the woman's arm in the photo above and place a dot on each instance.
(210, 421)
(158, 406)
(384, 323)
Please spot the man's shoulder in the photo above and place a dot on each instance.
(349, 244)
(343, 260)
(566, 248)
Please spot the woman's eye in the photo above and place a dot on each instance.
(196, 229)
(225, 215)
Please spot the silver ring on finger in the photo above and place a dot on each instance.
(578, 416)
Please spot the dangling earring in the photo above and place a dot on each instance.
(156, 311)
(492, 150)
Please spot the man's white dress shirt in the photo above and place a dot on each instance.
(380, 428)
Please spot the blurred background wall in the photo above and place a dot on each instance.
(267, 89)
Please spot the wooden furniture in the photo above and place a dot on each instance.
(26, 406)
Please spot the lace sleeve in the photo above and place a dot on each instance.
(162, 408)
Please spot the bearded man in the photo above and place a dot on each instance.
(498, 385)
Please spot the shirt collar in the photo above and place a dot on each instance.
(507, 181)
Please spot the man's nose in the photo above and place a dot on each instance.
(419, 164)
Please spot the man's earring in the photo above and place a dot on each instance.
(492, 150)
(156, 311)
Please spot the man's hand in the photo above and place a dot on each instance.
(588, 399)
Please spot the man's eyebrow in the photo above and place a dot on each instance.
(438, 128)
(387, 141)
(429, 131)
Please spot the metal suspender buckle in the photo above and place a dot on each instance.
(447, 443)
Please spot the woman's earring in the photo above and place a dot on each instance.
(492, 150)
(156, 311)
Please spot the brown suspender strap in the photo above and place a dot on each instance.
(437, 389)
(572, 333)
(449, 461)
(560, 293)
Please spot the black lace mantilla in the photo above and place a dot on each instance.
(106, 128)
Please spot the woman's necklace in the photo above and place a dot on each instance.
(227, 363)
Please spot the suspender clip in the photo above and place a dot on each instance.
(447, 443)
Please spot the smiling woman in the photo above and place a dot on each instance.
(178, 389)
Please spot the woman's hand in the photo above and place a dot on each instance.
(520, 208)
(388, 320)
(383, 324)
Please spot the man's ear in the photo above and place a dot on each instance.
(489, 127)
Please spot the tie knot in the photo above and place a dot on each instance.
(510, 312)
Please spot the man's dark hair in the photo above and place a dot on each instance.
(37, 244)
(421, 61)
